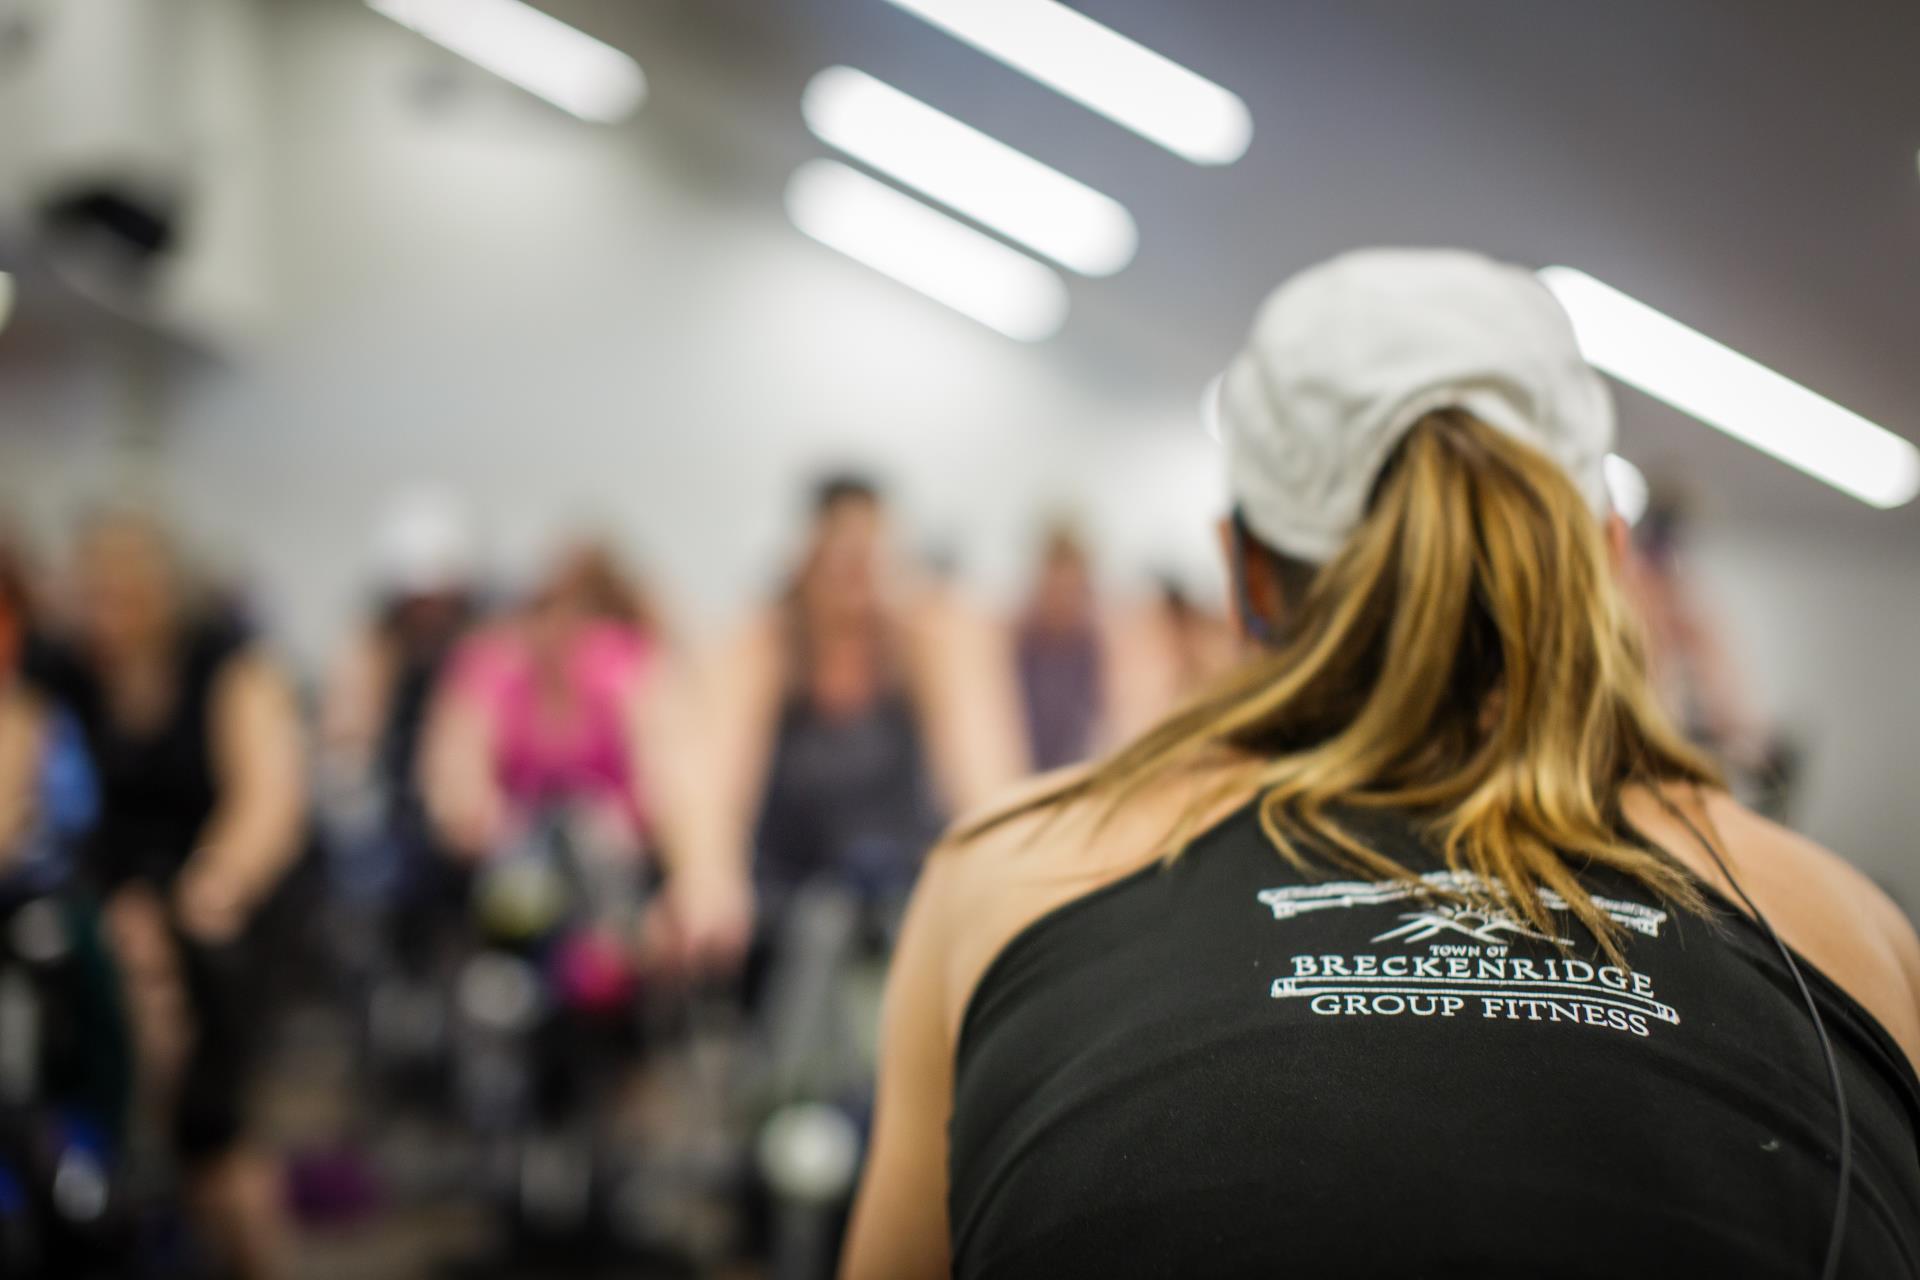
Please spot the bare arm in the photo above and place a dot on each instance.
(20, 745)
(960, 664)
(463, 797)
(351, 709)
(1138, 674)
(701, 842)
(1822, 906)
(899, 1225)
(738, 692)
(1898, 931)
(255, 831)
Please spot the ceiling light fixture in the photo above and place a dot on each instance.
(1103, 70)
(968, 171)
(535, 50)
(1742, 397)
(925, 249)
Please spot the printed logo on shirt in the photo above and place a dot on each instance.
(1487, 926)
(1296, 900)
(1469, 969)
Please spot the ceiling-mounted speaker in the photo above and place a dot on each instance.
(122, 226)
(134, 170)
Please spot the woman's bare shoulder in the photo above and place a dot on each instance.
(1821, 905)
(989, 887)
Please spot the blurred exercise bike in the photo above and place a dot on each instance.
(398, 919)
(827, 943)
(66, 1063)
(551, 1025)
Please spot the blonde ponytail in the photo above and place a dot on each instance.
(1465, 657)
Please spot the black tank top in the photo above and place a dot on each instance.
(847, 797)
(1060, 677)
(157, 784)
(1223, 1067)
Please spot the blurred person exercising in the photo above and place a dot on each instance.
(46, 782)
(374, 713)
(195, 739)
(1411, 947)
(49, 802)
(572, 703)
(542, 708)
(1161, 651)
(1691, 664)
(1061, 655)
(859, 707)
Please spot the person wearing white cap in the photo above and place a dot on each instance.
(379, 687)
(373, 719)
(1421, 944)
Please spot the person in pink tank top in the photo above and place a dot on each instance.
(547, 710)
(574, 702)
(559, 718)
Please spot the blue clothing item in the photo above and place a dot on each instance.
(69, 792)
(69, 805)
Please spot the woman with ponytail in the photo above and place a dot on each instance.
(1422, 944)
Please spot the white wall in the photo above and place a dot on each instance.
(541, 315)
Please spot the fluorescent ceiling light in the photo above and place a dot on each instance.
(1740, 396)
(1101, 69)
(538, 52)
(924, 249)
(1627, 487)
(966, 170)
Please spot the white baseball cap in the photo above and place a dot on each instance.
(1346, 356)
(424, 544)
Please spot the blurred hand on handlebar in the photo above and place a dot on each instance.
(699, 925)
(209, 903)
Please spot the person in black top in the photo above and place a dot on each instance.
(195, 741)
(856, 707)
(848, 793)
(66, 1091)
(1422, 944)
(373, 719)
